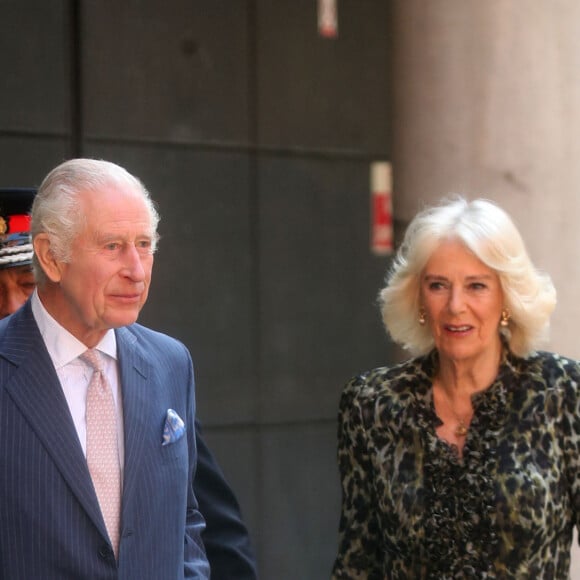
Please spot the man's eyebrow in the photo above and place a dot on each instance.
(106, 237)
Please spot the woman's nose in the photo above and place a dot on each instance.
(456, 301)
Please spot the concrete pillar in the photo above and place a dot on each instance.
(486, 102)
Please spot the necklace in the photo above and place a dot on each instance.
(443, 400)
(461, 429)
(462, 425)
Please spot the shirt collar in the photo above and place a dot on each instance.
(62, 346)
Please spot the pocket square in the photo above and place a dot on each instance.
(174, 429)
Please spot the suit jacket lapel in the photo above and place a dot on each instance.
(35, 388)
(134, 372)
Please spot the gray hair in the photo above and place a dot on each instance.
(56, 208)
(488, 232)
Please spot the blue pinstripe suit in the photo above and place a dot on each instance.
(50, 523)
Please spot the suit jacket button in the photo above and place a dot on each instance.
(106, 553)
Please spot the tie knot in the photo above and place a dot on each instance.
(93, 358)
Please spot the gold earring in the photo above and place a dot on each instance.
(505, 318)
(422, 317)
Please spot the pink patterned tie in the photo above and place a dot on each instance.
(102, 450)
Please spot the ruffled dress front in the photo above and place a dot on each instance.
(414, 509)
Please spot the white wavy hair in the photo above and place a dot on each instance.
(488, 232)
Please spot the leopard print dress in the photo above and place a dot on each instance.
(412, 508)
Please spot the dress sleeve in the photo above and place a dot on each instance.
(358, 549)
(571, 420)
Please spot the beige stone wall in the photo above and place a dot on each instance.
(486, 102)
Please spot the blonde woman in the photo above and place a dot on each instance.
(464, 461)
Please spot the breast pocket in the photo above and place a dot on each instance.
(176, 452)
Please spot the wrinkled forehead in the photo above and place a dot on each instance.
(114, 212)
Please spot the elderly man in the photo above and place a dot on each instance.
(97, 441)
(226, 538)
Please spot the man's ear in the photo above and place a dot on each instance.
(50, 265)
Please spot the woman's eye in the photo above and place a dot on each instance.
(477, 286)
(436, 285)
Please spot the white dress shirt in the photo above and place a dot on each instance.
(75, 375)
